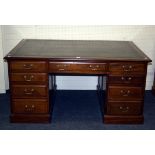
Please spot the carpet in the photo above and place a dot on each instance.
(77, 110)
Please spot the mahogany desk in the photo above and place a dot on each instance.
(31, 62)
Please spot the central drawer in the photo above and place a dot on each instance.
(125, 93)
(29, 91)
(92, 68)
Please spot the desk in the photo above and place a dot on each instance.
(122, 62)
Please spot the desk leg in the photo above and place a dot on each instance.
(53, 82)
(52, 93)
(100, 83)
(101, 94)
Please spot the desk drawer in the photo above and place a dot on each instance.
(78, 68)
(126, 79)
(29, 91)
(33, 106)
(61, 67)
(125, 93)
(29, 77)
(124, 108)
(28, 66)
(93, 68)
(127, 68)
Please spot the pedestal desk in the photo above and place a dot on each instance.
(122, 62)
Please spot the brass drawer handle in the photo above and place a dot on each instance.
(125, 93)
(61, 69)
(124, 109)
(26, 108)
(127, 68)
(94, 69)
(32, 106)
(122, 78)
(94, 66)
(28, 66)
(29, 108)
(28, 78)
(126, 78)
(28, 92)
(65, 65)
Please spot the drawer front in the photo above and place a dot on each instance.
(77, 68)
(29, 91)
(30, 106)
(60, 67)
(126, 68)
(28, 77)
(124, 108)
(126, 79)
(93, 68)
(28, 66)
(125, 93)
